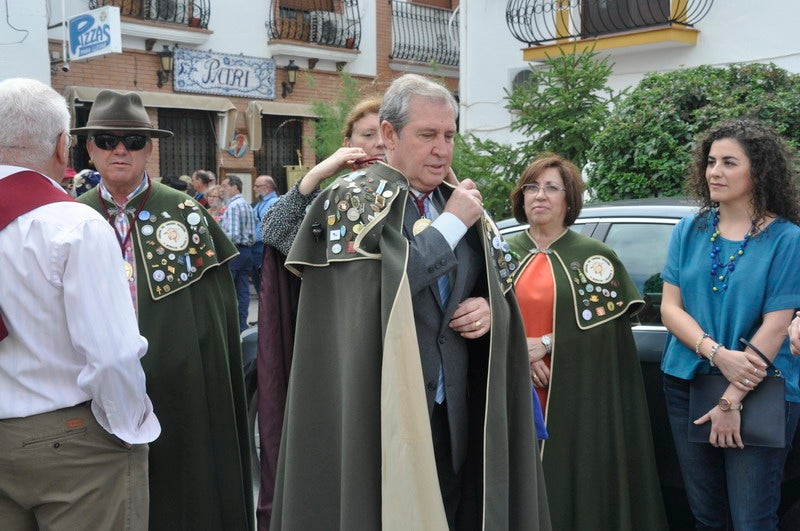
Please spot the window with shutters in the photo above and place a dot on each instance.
(281, 141)
(194, 145)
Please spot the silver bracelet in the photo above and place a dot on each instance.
(712, 353)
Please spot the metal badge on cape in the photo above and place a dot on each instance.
(598, 269)
(177, 252)
(173, 235)
(355, 201)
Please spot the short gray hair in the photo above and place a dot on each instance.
(34, 116)
(395, 105)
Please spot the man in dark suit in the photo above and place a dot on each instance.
(450, 308)
(409, 387)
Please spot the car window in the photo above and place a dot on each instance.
(642, 247)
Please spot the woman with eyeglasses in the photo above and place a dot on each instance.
(216, 206)
(577, 301)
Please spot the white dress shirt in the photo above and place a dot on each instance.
(452, 228)
(73, 335)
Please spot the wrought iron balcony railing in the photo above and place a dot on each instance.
(537, 22)
(425, 34)
(334, 23)
(191, 13)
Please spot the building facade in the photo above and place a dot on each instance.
(215, 71)
(499, 43)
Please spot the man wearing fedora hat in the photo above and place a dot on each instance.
(177, 258)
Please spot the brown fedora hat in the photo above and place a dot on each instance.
(114, 111)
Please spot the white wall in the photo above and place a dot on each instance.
(238, 27)
(23, 40)
(732, 31)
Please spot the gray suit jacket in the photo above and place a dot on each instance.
(430, 257)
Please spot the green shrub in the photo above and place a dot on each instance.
(644, 150)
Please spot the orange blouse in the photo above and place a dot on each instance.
(536, 296)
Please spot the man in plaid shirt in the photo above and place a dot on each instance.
(239, 223)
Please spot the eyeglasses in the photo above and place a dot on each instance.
(131, 142)
(549, 189)
(69, 138)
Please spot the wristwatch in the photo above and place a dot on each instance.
(726, 405)
(548, 343)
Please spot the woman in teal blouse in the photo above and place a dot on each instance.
(731, 273)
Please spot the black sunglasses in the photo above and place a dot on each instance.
(131, 142)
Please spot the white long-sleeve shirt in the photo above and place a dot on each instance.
(73, 335)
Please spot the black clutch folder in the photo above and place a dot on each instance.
(763, 412)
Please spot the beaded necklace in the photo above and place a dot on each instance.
(719, 271)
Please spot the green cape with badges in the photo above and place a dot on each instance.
(599, 462)
(200, 466)
(356, 450)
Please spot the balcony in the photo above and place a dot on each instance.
(424, 34)
(328, 30)
(603, 24)
(331, 23)
(188, 13)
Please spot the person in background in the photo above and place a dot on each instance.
(67, 182)
(190, 191)
(201, 181)
(277, 302)
(577, 302)
(409, 405)
(75, 418)
(239, 224)
(176, 259)
(266, 196)
(84, 181)
(216, 205)
(174, 182)
(731, 274)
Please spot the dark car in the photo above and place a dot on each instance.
(639, 231)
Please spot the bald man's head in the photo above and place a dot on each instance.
(264, 185)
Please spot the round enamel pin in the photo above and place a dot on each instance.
(173, 235)
(193, 218)
(598, 269)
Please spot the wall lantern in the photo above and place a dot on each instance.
(291, 75)
(165, 56)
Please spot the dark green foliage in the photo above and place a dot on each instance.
(563, 105)
(494, 167)
(332, 115)
(645, 147)
(560, 109)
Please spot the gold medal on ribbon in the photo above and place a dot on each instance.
(128, 271)
(420, 225)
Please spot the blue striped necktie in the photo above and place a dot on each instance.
(444, 295)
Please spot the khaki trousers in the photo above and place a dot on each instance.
(62, 471)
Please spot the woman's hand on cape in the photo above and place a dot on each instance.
(344, 157)
(472, 317)
(725, 427)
